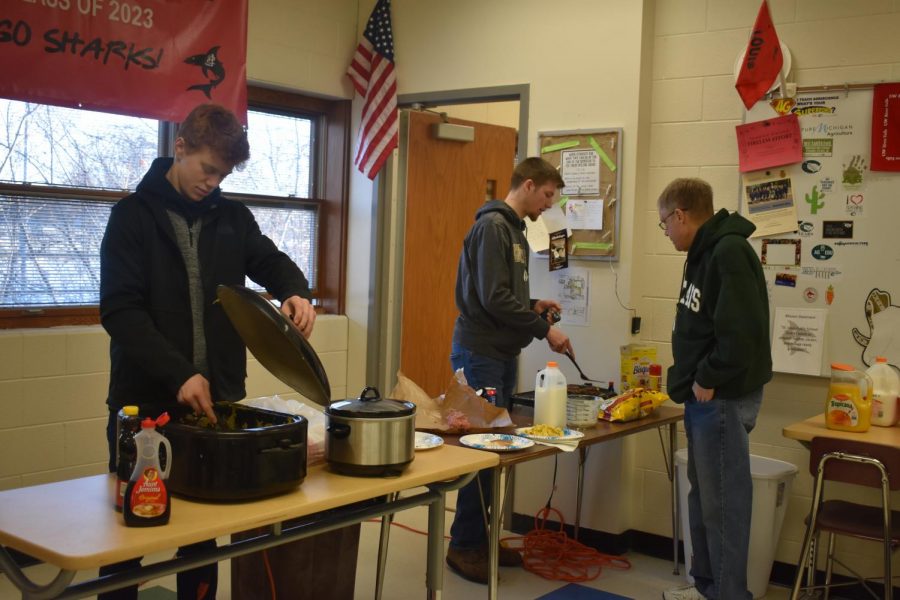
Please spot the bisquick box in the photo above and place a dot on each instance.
(635, 365)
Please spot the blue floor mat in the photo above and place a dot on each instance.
(573, 591)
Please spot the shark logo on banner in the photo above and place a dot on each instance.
(211, 68)
(762, 60)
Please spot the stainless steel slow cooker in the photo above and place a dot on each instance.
(370, 435)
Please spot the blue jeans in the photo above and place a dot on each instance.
(468, 530)
(721, 498)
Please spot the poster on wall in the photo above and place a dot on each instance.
(153, 58)
(769, 198)
(571, 287)
(798, 340)
(886, 127)
(843, 253)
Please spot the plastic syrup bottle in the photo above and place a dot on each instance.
(885, 389)
(147, 502)
(550, 397)
(128, 425)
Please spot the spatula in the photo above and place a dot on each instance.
(580, 372)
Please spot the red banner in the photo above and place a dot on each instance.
(886, 127)
(146, 58)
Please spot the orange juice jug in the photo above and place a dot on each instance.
(849, 403)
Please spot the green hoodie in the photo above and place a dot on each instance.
(721, 334)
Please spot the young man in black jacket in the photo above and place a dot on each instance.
(497, 318)
(722, 359)
(166, 249)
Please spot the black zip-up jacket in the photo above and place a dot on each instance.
(144, 297)
(721, 334)
(492, 293)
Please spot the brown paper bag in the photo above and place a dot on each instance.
(459, 410)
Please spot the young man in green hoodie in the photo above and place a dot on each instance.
(722, 359)
(497, 318)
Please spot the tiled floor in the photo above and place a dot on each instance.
(405, 579)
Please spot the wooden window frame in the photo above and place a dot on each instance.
(330, 182)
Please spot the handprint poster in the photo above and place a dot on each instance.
(847, 230)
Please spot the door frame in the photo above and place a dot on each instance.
(389, 211)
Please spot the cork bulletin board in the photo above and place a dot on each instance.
(590, 164)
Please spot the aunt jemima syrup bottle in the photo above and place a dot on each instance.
(146, 500)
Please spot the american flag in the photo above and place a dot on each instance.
(372, 74)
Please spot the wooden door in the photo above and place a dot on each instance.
(447, 181)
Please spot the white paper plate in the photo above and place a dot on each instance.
(569, 435)
(500, 442)
(427, 441)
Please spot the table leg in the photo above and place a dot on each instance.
(673, 482)
(434, 567)
(383, 541)
(582, 457)
(494, 535)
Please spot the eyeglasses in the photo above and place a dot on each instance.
(663, 224)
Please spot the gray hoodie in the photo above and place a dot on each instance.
(495, 309)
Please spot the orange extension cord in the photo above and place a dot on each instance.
(552, 555)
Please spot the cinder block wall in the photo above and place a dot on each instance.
(53, 385)
(694, 110)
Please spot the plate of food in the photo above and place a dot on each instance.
(501, 442)
(427, 441)
(549, 433)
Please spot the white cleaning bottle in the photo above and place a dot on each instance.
(550, 397)
(885, 389)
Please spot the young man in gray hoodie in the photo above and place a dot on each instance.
(497, 318)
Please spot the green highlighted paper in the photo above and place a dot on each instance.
(563, 200)
(591, 246)
(603, 156)
(559, 146)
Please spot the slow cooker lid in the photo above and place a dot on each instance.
(370, 405)
(275, 342)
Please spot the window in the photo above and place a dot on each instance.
(62, 169)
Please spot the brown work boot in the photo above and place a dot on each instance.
(509, 557)
(471, 564)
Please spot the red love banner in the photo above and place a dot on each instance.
(148, 58)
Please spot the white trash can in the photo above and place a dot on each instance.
(771, 488)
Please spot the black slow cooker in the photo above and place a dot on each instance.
(249, 453)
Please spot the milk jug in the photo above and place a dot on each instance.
(848, 406)
(885, 389)
(550, 397)
(147, 501)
